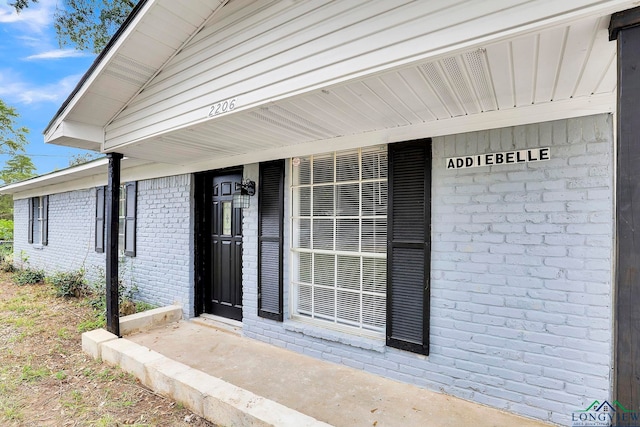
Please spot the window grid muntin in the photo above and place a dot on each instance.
(38, 220)
(301, 287)
(41, 218)
(122, 218)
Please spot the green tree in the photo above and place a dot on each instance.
(86, 24)
(12, 138)
(18, 168)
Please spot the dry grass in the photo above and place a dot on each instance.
(46, 380)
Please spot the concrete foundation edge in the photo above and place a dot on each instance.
(150, 319)
(211, 398)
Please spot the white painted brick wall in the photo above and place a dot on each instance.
(162, 269)
(521, 277)
(71, 234)
(250, 247)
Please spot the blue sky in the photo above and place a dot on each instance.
(36, 76)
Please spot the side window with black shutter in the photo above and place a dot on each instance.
(270, 239)
(45, 220)
(409, 246)
(131, 189)
(100, 225)
(31, 210)
(127, 207)
(38, 232)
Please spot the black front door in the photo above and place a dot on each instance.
(224, 294)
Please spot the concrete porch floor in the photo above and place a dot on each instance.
(331, 393)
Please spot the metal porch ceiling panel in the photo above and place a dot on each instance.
(556, 64)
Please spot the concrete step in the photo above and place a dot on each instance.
(211, 398)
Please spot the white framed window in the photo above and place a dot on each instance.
(38, 220)
(127, 207)
(122, 218)
(339, 237)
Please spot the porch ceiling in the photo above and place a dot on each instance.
(564, 66)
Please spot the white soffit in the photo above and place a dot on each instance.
(561, 67)
(142, 50)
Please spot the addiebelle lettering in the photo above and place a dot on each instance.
(496, 159)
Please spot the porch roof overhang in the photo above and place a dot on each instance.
(90, 174)
(556, 64)
(115, 77)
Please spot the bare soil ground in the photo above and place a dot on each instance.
(46, 379)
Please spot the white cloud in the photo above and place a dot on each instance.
(37, 17)
(58, 54)
(14, 90)
(31, 41)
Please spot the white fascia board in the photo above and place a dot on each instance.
(94, 174)
(77, 143)
(65, 175)
(91, 136)
(79, 178)
(75, 185)
(131, 28)
(87, 175)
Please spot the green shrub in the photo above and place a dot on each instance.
(6, 255)
(28, 276)
(97, 299)
(69, 283)
(6, 249)
(144, 306)
(6, 263)
(125, 292)
(6, 229)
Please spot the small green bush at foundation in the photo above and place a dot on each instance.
(69, 283)
(28, 276)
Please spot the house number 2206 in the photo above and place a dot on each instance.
(222, 107)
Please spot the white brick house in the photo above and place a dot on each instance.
(368, 243)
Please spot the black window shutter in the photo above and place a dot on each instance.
(270, 238)
(30, 232)
(409, 246)
(130, 219)
(100, 219)
(45, 220)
